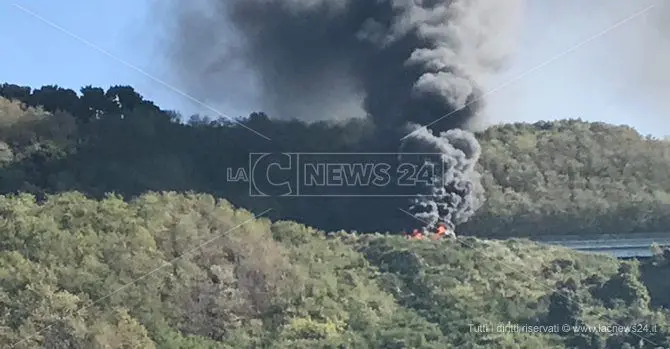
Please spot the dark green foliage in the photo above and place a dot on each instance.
(548, 178)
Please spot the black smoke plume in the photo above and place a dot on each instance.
(456, 192)
(395, 61)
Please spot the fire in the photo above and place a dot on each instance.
(442, 231)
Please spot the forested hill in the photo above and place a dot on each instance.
(175, 271)
(565, 177)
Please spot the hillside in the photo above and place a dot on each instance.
(187, 271)
(563, 177)
(573, 176)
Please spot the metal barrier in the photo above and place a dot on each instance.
(636, 245)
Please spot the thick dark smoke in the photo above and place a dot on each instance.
(456, 192)
(397, 61)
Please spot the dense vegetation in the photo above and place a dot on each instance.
(565, 177)
(157, 266)
(187, 271)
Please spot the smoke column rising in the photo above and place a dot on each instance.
(399, 62)
(457, 193)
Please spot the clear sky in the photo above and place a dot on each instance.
(36, 53)
(593, 81)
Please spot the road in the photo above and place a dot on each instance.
(621, 246)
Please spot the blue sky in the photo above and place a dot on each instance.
(617, 77)
(37, 54)
(610, 79)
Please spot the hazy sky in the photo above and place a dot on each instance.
(619, 77)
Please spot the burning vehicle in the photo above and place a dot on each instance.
(442, 232)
